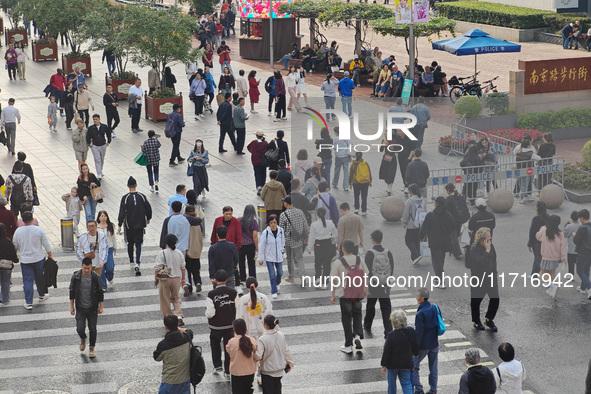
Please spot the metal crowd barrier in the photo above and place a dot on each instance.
(460, 135)
(479, 181)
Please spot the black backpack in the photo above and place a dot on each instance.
(196, 366)
(17, 196)
(459, 209)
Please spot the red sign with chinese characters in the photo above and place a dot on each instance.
(557, 75)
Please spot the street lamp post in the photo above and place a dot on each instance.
(271, 33)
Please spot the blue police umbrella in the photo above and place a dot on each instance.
(475, 42)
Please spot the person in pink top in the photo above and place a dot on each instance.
(241, 349)
(10, 57)
(553, 252)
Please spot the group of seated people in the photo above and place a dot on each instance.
(313, 57)
(428, 81)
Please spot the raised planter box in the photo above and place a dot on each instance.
(68, 65)
(1, 26)
(444, 150)
(159, 108)
(578, 198)
(43, 52)
(484, 123)
(571, 133)
(19, 35)
(502, 33)
(120, 86)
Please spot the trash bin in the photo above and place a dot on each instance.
(262, 217)
(67, 230)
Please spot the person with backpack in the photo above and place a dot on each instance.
(582, 241)
(19, 188)
(349, 269)
(458, 207)
(437, 227)
(274, 356)
(426, 327)
(175, 353)
(417, 172)
(413, 216)
(510, 374)
(525, 158)
(380, 263)
(328, 202)
(323, 235)
(241, 349)
(360, 178)
(174, 128)
(310, 188)
(271, 248)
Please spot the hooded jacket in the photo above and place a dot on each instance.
(477, 380)
(437, 227)
(272, 194)
(173, 351)
(271, 248)
(410, 209)
(509, 377)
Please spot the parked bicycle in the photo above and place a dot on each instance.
(488, 86)
(461, 88)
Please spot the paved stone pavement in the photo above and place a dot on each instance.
(130, 327)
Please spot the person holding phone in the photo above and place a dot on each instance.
(275, 357)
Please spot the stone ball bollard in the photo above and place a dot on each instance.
(552, 195)
(392, 208)
(500, 200)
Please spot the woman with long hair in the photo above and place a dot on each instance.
(250, 242)
(169, 78)
(301, 165)
(106, 227)
(253, 90)
(274, 355)
(489, 158)
(323, 236)
(241, 349)
(329, 87)
(86, 181)
(271, 248)
(458, 207)
(199, 158)
(279, 97)
(7, 253)
(227, 83)
(301, 87)
(291, 82)
(253, 307)
(553, 250)
(169, 276)
(546, 151)
(388, 165)
(533, 244)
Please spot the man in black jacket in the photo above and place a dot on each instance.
(582, 240)
(482, 218)
(284, 176)
(111, 102)
(220, 310)
(98, 138)
(136, 212)
(28, 171)
(478, 378)
(86, 303)
(224, 117)
(174, 352)
(417, 172)
(300, 201)
(223, 255)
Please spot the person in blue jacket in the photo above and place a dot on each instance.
(426, 327)
(210, 87)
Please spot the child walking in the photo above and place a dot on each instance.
(73, 207)
(52, 114)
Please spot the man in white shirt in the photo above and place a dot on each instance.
(138, 92)
(93, 245)
(29, 241)
(8, 120)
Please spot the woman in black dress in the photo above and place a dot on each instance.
(546, 151)
(388, 165)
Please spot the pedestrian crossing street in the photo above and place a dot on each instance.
(39, 348)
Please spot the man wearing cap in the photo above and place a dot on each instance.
(98, 138)
(177, 125)
(136, 212)
(136, 110)
(482, 218)
(294, 222)
(224, 117)
(8, 120)
(356, 67)
(346, 87)
(478, 378)
(317, 164)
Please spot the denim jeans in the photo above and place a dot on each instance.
(82, 315)
(329, 102)
(326, 164)
(404, 377)
(5, 285)
(111, 67)
(227, 64)
(90, 209)
(347, 105)
(181, 388)
(583, 264)
(341, 162)
(565, 41)
(275, 274)
(432, 354)
(351, 314)
(524, 183)
(33, 272)
(108, 268)
(573, 40)
(285, 59)
(153, 173)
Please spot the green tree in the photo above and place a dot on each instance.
(60, 16)
(8, 6)
(160, 38)
(202, 6)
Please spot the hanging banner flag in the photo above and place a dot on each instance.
(421, 10)
(403, 11)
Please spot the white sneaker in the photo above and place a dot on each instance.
(270, 114)
(363, 213)
(347, 349)
(113, 135)
(131, 265)
(196, 117)
(55, 129)
(28, 307)
(274, 296)
(415, 261)
(253, 112)
(202, 116)
(45, 297)
(7, 303)
(589, 294)
(111, 282)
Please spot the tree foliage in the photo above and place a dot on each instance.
(202, 6)
(336, 13)
(8, 6)
(60, 16)
(305, 8)
(160, 38)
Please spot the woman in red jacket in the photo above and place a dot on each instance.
(253, 91)
(257, 149)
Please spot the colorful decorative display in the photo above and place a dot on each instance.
(260, 9)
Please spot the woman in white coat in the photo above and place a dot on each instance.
(271, 248)
(510, 374)
(253, 307)
(275, 357)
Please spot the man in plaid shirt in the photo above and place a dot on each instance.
(294, 223)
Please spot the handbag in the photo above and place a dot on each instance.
(164, 272)
(97, 193)
(441, 329)
(92, 254)
(220, 98)
(35, 198)
(425, 250)
(6, 264)
(190, 169)
(388, 158)
(272, 154)
(465, 235)
(141, 159)
(3, 138)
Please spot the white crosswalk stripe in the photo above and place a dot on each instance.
(42, 345)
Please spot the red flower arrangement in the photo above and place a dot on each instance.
(513, 134)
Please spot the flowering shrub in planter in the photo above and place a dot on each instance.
(576, 177)
(445, 142)
(515, 134)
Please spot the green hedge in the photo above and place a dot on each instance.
(494, 14)
(556, 22)
(544, 121)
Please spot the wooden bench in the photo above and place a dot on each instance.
(294, 62)
(364, 79)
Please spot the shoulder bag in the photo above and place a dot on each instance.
(6, 264)
(441, 329)
(92, 254)
(164, 272)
